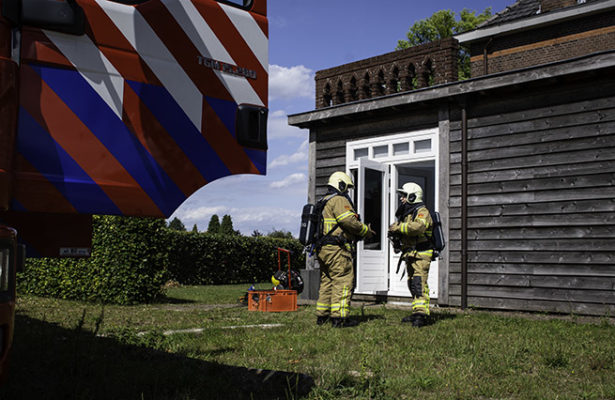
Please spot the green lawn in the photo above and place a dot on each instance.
(72, 350)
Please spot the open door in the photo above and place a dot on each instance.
(373, 206)
(423, 174)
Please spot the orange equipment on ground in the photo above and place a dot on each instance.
(274, 300)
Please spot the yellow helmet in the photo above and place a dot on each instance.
(413, 192)
(340, 181)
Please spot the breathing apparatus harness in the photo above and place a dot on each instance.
(402, 212)
(328, 239)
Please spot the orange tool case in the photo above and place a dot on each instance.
(274, 300)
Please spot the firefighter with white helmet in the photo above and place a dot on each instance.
(414, 230)
(341, 229)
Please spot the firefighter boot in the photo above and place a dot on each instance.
(419, 320)
(343, 322)
(409, 318)
(321, 319)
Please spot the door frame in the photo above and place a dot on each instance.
(392, 150)
(396, 286)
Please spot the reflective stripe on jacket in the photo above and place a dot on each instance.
(417, 232)
(338, 210)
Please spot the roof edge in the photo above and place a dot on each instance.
(535, 21)
(585, 63)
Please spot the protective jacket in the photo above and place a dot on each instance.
(415, 227)
(339, 216)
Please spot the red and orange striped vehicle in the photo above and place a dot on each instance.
(124, 107)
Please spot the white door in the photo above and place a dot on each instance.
(422, 173)
(373, 207)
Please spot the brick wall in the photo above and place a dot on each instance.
(550, 5)
(549, 44)
(417, 67)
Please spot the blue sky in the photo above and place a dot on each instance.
(304, 37)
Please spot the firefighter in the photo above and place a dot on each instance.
(414, 230)
(341, 229)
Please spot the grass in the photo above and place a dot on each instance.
(72, 350)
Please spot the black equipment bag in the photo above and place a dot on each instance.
(310, 222)
(437, 235)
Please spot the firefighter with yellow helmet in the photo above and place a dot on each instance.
(342, 228)
(414, 230)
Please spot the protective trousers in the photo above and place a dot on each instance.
(336, 282)
(418, 270)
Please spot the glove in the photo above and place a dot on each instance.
(394, 228)
(370, 232)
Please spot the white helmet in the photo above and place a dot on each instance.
(413, 192)
(340, 181)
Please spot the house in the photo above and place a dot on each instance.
(519, 160)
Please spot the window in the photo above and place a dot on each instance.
(240, 3)
(373, 205)
(405, 147)
(360, 153)
(422, 146)
(401, 149)
(381, 151)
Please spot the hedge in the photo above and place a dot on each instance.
(210, 259)
(127, 266)
(132, 258)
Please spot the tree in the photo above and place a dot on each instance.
(443, 24)
(278, 233)
(256, 233)
(226, 227)
(177, 225)
(214, 224)
(195, 229)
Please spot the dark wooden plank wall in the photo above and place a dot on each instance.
(541, 207)
(330, 157)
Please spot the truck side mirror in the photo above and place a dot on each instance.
(56, 15)
(251, 126)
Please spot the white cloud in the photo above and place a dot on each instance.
(267, 219)
(203, 213)
(289, 180)
(289, 83)
(246, 220)
(300, 155)
(278, 128)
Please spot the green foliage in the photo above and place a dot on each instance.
(443, 24)
(127, 265)
(195, 229)
(132, 258)
(280, 234)
(177, 224)
(226, 227)
(198, 259)
(214, 224)
(440, 25)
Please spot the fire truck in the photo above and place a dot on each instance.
(122, 107)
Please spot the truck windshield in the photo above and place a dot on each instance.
(241, 3)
